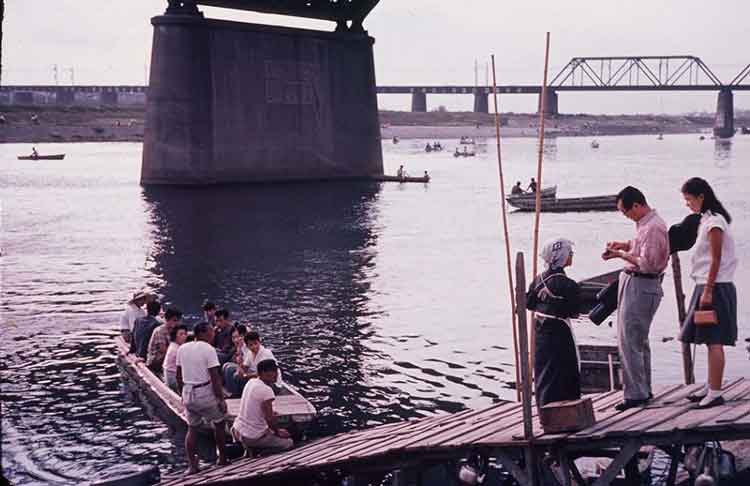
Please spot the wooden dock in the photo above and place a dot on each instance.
(669, 421)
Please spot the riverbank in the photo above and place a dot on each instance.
(115, 124)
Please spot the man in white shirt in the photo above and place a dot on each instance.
(198, 375)
(257, 353)
(255, 426)
(133, 310)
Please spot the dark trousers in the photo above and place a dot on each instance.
(556, 372)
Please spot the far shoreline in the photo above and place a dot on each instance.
(125, 124)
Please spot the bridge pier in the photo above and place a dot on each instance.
(232, 102)
(549, 104)
(724, 122)
(481, 100)
(419, 101)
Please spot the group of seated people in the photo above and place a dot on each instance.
(517, 189)
(220, 360)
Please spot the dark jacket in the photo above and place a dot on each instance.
(554, 294)
(143, 328)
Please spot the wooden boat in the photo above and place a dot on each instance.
(745, 130)
(546, 193)
(393, 178)
(594, 144)
(466, 141)
(464, 154)
(555, 205)
(42, 157)
(292, 409)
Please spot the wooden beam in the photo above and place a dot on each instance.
(528, 431)
(510, 465)
(688, 368)
(628, 451)
(564, 461)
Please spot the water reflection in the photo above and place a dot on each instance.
(294, 261)
(722, 152)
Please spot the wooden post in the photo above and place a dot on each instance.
(503, 210)
(687, 359)
(523, 344)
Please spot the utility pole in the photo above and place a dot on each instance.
(476, 82)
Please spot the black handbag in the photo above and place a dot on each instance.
(606, 303)
(711, 459)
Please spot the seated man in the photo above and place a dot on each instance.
(255, 426)
(517, 189)
(236, 375)
(144, 328)
(159, 342)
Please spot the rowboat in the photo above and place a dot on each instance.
(42, 157)
(555, 205)
(292, 409)
(392, 178)
(546, 193)
(464, 154)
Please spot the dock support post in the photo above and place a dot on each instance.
(481, 103)
(628, 451)
(724, 123)
(419, 101)
(687, 358)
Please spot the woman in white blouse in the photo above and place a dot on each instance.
(713, 266)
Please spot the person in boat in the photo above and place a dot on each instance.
(223, 335)
(34, 153)
(255, 426)
(159, 342)
(457, 153)
(532, 186)
(428, 148)
(143, 329)
(555, 298)
(395, 139)
(517, 189)
(177, 337)
(199, 381)
(401, 173)
(133, 311)
(714, 262)
(35, 119)
(233, 382)
(466, 150)
(426, 176)
(209, 312)
(639, 294)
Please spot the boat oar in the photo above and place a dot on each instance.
(503, 210)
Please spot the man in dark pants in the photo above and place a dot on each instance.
(639, 294)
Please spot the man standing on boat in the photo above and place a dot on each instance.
(532, 186)
(639, 293)
(255, 426)
(199, 378)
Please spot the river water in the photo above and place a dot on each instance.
(382, 302)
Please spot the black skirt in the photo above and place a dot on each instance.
(725, 305)
(556, 372)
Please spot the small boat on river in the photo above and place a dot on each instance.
(292, 409)
(41, 157)
(561, 205)
(546, 193)
(393, 178)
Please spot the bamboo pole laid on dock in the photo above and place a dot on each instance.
(538, 208)
(687, 359)
(503, 210)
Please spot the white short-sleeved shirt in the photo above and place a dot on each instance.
(127, 319)
(195, 358)
(170, 360)
(251, 362)
(702, 251)
(251, 421)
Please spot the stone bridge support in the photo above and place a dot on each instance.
(724, 122)
(481, 100)
(233, 102)
(419, 102)
(550, 103)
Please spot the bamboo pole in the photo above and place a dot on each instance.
(687, 358)
(503, 210)
(540, 153)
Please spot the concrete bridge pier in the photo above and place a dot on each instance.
(108, 98)
(232, 102)
(481, 101)
(419, 101)
(549, 105)
(724, 122)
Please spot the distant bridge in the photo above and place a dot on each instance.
(633, 73)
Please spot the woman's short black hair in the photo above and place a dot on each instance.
(175, 330)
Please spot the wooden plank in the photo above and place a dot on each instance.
(523, 343)
(626, 453)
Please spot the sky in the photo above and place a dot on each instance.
(427, 42)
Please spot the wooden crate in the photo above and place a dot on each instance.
(567, 416)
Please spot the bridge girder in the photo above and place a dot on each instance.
(334, 10)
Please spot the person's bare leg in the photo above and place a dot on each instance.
(191, 446)
(221, 441)
(715, 366)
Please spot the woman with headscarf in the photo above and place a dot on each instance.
(714, 264)
(555, 298)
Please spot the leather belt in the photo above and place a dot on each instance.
(199, 384)
(652, 276)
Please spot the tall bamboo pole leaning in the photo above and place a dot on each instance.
(540, 153)
(503, 210)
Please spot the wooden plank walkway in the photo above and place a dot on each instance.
(667, 420)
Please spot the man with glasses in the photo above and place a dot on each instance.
(639, 293)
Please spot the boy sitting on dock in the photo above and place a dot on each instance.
(255, 426)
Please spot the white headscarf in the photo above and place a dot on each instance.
(555, 252)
